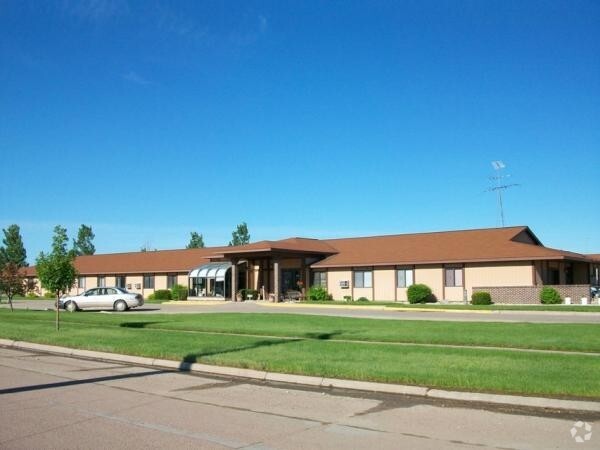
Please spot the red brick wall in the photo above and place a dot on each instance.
(515, 295)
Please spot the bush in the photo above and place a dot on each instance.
(179, 292)
(49, 295)
(481, 298)
(550, 296)
(419, 293)
(162, 294)
(348, 298)
(319, 294)
(363, 299)
(151, 297)
(32, 295)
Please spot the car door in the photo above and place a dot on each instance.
(88, 299)
(110, 297)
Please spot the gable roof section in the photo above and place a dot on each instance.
(295, 244)
(483, 245)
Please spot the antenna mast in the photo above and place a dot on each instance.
(500, 186)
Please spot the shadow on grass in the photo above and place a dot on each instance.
(323, 336)
(192, 358)
(137, 324)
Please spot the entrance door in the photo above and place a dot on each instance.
(290, 279)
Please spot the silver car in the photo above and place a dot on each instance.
(102, 297)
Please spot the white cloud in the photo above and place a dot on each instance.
(136, 78)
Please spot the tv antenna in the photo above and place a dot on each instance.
(500, 185)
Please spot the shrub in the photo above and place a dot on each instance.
(162, 294)
(419, 293)
(151, 297)
(481, 298)
(348, 298)
(32, 295)
(319, 294)
(179, 292)
(49, 295)
(363, 299)
(550, 296)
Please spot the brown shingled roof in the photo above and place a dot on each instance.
(295, 244)
(493, 244)
(160, 261)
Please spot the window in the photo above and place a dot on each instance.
(454, 276)
(320, 279)
(404, 278)
(148, 281)
(171, 280)
(363, 278)
(101, 281)
(81, 282)
(120, 281)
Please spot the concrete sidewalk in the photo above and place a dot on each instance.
(509, 400)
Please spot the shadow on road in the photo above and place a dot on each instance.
(59, 384)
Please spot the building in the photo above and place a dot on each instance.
(511, 263)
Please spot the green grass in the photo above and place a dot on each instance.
(434, 306)
(312, 345)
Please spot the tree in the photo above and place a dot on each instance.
(83, 245)
(196, 240)
(55, 270)
(12, 281)
(240, 236)
(13, 250)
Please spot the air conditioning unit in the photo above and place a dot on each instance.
(344, 284)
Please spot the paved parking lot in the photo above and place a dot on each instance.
(49, 401)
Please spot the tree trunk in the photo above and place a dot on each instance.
(10, 303)
(57, 311)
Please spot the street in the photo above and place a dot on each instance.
(49, 401)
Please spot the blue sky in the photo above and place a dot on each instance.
(147, 120)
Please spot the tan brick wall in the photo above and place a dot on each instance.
(530, 295)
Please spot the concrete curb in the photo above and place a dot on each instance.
(365, 386)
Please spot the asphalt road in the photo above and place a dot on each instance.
(49, 401)
(357, 311)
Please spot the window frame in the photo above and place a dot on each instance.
(359, 274)
(322, 278)
(148, 281)
(171, 280)
(405, 270)
(101, 281)
(454, 270)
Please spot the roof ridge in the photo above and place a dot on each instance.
(519, 227)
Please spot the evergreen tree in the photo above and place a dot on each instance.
(13, 250)
(240, 236)
(196, 240)
(83, 245)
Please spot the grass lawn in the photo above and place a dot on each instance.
(339, 347)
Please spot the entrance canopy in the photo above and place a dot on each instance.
(215, 270)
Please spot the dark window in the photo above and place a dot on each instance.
(320, 279)
(101, 281)
(148, 281)
(120, 281)
(454, 276)
(171, 280)
(81, 282)
(363, 278)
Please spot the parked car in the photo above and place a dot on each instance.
(102, 297)
(595, 291)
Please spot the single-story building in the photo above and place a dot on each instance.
(511, 263)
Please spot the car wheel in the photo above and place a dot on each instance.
(71, 306)
(120, 306)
